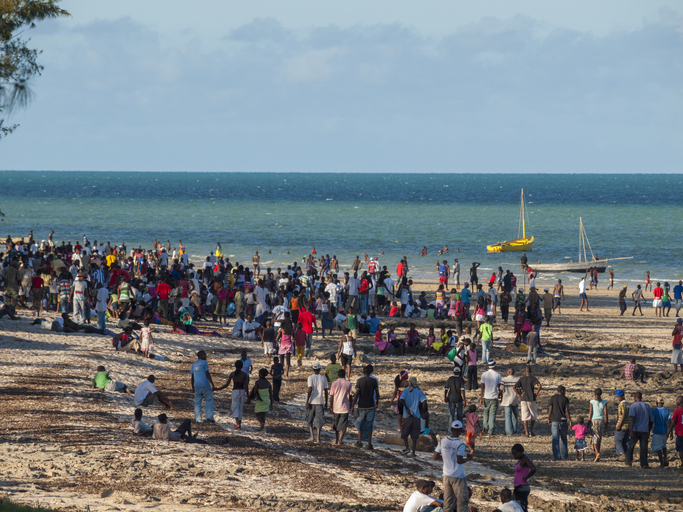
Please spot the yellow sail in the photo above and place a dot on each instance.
(521, 244)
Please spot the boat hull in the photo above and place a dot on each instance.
(521, 244)
(581, 268)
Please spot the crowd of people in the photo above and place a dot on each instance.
(133, 290)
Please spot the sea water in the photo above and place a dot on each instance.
(285, 215)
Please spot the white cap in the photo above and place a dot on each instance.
(456, 424)
(316, 366)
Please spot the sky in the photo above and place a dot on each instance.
(384, 86)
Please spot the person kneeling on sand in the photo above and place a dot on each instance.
(103, 382)
(140, 428)
(183, 434)
(146, 394)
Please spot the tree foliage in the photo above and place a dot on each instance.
(18, 62)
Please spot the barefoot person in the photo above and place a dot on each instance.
(240, 380)
(202, 387)
(315, 405)
(262, 394)
(341, 394)
(582, 293)
(637, 297)
(146, 394)
(451, 450)
(558, 296)
(676, 427)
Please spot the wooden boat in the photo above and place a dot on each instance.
(583, 265)
(520, 244)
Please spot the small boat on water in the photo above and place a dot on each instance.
(583, 265)
(519, 244)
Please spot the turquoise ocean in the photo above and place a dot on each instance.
(353, 214)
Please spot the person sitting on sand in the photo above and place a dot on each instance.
(421, 499)
(146, 394)
(126, 341)
(140, 428)
(633, 371)
(508, 504)
(65, 324)
(103, 382)
(8, 311)
(183, 434)
(380, 341)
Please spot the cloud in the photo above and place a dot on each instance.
(497, 95)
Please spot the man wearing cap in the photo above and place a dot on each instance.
(451, 450)
(315, 406)
(490, 389)
(421, 500)
(414, 403)
(623, 423)
(454, 395)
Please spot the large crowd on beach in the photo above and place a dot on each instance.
(126, 294)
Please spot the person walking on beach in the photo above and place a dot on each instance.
(202, 387)
(622, 300)
(490, 389)
(657, 301)
(451, 450)
(611, 279)
(582, 293)
(678, 296)
(528, 404)
(510, 402)
(639, 430)
(599, 420)
(677, 350)
(558, 296)
(621, 430)
(676, 427)
(660, 421)
(560, 422)
(414, 403)
(341, 395)
(240, 380)
(637, 297)
(366, 400)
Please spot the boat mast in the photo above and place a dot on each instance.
(521, 224)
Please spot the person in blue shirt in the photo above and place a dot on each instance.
(678, 296)
(246, 363)
(660, 420)
(203, 387)
(373, 323)
(465, 297)
(414, 404)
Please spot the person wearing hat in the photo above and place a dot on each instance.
(451, 450)
(490, 390)
(454, 395)
(676, 352)
(623, 422)
(79, 295)
(315, 406)
(414, 404)
(421, 499)
(547, 305)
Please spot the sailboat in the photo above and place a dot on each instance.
(520, 244)
(583, 264)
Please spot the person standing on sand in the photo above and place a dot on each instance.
(611, 279)
(582, 293)
(414, 404)
(456, 272)
(547, 305)
(676, 426)
(366, 399)
(451, 450)
(528, 396)
(657, 301)
(560, 422)
(647, 281)
(510, 402)
(474, 280)
(341, 393)
(637, 297)
(202, 387)
(558, 296)
(677, 350)
(599, 420)
(660, 421)
(623, 422)
(622, 300)
(639, 430)
(678, 296)
(490, 389)
(240, 380)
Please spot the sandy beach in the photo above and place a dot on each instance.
(67, 446)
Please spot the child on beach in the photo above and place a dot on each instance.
(300, 340)
(394, 341)
(276, 370)
(471, 358)
(472, 426)
(580, 438)
(380, 343)
(599, 420)
(262, 394)
(524, 469)
(352, 322)
(429, 349)
(147, 340)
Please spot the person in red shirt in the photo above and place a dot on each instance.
(399, 269)
(657, 302)
(676, 426)
(37, 294)
(308, 322)
(164, 289)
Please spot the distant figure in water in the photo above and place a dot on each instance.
(445, 248)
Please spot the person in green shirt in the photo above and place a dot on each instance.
(351, 320)
(486, 337)
(332, 369)
(103, 382)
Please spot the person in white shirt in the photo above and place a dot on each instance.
(250, 329)
(510, 402)
(315, 406)
(582, 293)
(331, 288)
(489, 390)
(508, 505)
(451, 450)
(146, 394)
(421, 500)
